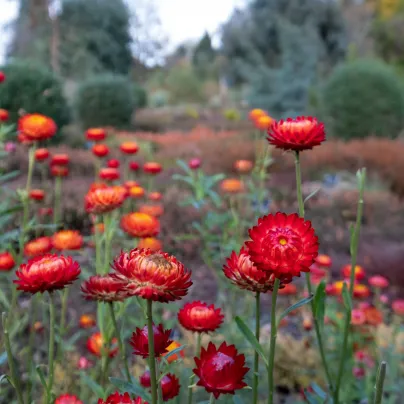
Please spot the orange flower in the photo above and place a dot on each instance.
(98, 228)
(6, 261)
(39, 246)
(139, 224)
(129, 147)
(37, 194)
(67, 240)
(41, 154)
(243, 166)
(95, 345)
(324, 261)
(358, 271)
(104, 200)
(87, 321)
(256, 113)
(61, 159)
(150, 243)
(3, 115)
(100, 150)
(176, 356)
(263, 122)
(136, 192)
(152, 168)
(95, 134)
(232, 186)
(373, 316)
(109, 173)
(361, 291)
(152, 210)
(37, 127)
(155, 196)
(59, 171)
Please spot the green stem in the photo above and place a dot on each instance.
(109, 232)
(31, 342)
(212, 399)
(197, 353)
(159, 387)
(152, 360)
(121, 346)
(354, 253)
(58, 194)
(98, 246)
(256, 356)
(13, 369)
(379, 383)
(63, 316)
(51, 348)
(271, 359)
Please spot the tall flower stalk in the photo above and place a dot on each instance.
(152, 359)
(51, 351)
(256, 355)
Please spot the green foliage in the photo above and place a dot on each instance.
(363, 98)
(159, 98)
(105, 100)
(33, 88)
(204, 56)
(139, 95)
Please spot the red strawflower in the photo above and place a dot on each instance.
(170, 385)
(6, 261)
(398, 307)
(194, 164)
(96, 134)
(24, 139)
(41, 154)
(134, 166)
(67, 399)
(67, 240)
(199, 317)
(60, 160)
(152, 275)
(298, 134)
(113, 163)
(323, 261)
(36, 127)
(136, 191)
(39, 246)
(140, 341)
(220, 370)
(104, 199)
(109, 173)
(358, 317)
(150, 243)
(359, 272)
(2, 76)
(361, 291)
(47, 273)
(104, 289)
(155, 196)
(95, 344)
(4, 115)
(152, 210)
(129, 147)
(37, 194)
(118, 398)
(232, 186)
(59, 171)
(379, 282)
(285, 245)
(373, 316)
(139, 224)
(100, 150)
(152, 168)
(243, 273)
(87, 321)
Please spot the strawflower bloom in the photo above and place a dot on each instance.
(67, 399)
(243, 166)
(41, 154)
(358, 317)
(136, 192)
(263, 122)
(95, 345)
(220, 370)
(47, 273)
(45, 211)
(118, 398)
(96, 134)
(100, 150)
(155, 196)
(152, 210)
(129, 147)
(104, 199)
(398, 307)
(243, 273)
(361, 291)
(139, 224)
(59, 171)
(6, 261)
(134, 166)
(37, 327)
(67, 240)
(174, 357)
(37, 194)
(113, 163)
(152, 168)
(302, 133)
(104, 289)
(199, 317)
(285, 245)
(373, 316)
(232, 186)
(130, 183)
(109, 173)
(150, 243)
(378, 281)
(3, 115)
(140, 341)
(323, 260)
(194, 164)
(38, 246)
(170, 385)
(157, 276)
(256, 113)
(2, 76)
(60, 159)
(87, 321)
(37, 127)
(359, 272)
(24, 140)
(83, 363)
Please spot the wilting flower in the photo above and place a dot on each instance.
(3, 115)
(67, 399)
(152, 275)
(113, 163)
(6, 261)
(243, 166)
(47, 273)
(152, 168)
(243, 273)
(232, 186)
(285, 245)
(173, 357)
(129, 147)
(220, 370)
(39, 246)
(60, 159)
(96, 134)
(379, 282)
(134, 166)
(194, 164)
(323, 260)
(41, 154)
(155, 196)
(139, 224)
(104, 199)
(263, 122)
(37, 127)
(170, 385)
(118, 398)
(87, 321)
(150, 243)
(104, 289)
(136, 191)
(95, 344)
(199, 317)
(59, 171)
(298, 134)
(256, 113)
(359, 272)
(100, 150)
(109, 173)
(140, 341)
(152, 210)
(398, 307)
(67, 240)
(37, 194)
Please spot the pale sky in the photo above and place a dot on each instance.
(180, 19)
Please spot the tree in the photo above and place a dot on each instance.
(204, 56)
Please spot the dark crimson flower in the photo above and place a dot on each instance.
(39, 246)
(47, 273)
(104, 199)
(150, 243)
(398, 307)
(96, 134)
(285, 245)
(2, 76)
(155, 196)
(6, 261)
(95, 345)
(104, 289)
(113, 163)
(173, 357)
(59, 171)
(139, 224)
(232, 186)
(152, 275)
(3, 115)
(67, 240)
(109, 173)
(194, 164)
(60, 160)
(134, 166)
(359, 272)
(67, 399)
(361, 291)
(243, 273)
(170, 385)
(323, 260)
(37, 194)
(220, 370)
(87, 321)
(100, 150)
(199, 317)
(378, 281)
(243, 166)
(152, 210)
(41, 154)
(152, 168)
(140, 341)
(298, 134)
(118, 398)
(36, 127)
(129, 147)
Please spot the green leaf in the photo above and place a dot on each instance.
(318, 390)
(93, 385)
(319, 303)
(346, 297)
(41, 376)
(184, 166)
(295, 306)
(133, 388)
(311, 195)
(251, 339)
(3, 299)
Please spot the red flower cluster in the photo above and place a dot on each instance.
(199, 317)
(140, 341)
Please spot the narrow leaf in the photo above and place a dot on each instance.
(41, 376)
(93, 385)
(295, 306)
(319, 303)
(346, 297)
(311, 195)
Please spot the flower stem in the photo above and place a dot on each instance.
(63, 315)
(212, 399)
(308, 281)
(109, 232)
(51, 348)
(13, 370)
(256, 356)
(271, 358)
(58, 194)
(354, 253)
(152, 361)
(121, 346)
(197, 353)
(381, 374)
(31, 341)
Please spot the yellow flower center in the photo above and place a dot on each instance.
(283, 241)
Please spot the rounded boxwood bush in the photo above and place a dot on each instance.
(33, 88)
(364, 98)
(105, 100)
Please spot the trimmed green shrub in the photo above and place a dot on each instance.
(105, 100)
(364, 98)
(33, 88)
(140, 96)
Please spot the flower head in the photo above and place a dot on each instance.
(113, 163)
(194, 164)
(6, 261)
(3, 115)
(232, 186)
(359, 272)
(285, 245)
(155, 196)
(220, 370)
(323, 260)
(129, 147)
(134, 166)
(152, 275)
(61, 159)
(109, 173)
(67, 240)
(173, 357)
(378, 281)
(87, 321)
(136, 191)
(67, 399)
(170, 385)
(96, 134)
(118, 398)
(139, 224)
(41, 154)
(398, 307)
(358, 317)
(243, 166)
(100, 150)
(298, 134)
(152, 210)
(152, 168)
(37, 194)
(104, 199)
(2, 76)
(199, 317)
(95, 345)
(140, 341)
(263, 122)
(47, 273)
(104, 289)
(256, 113)
(38, 246)
(150, 243)
(37, 127)
(83, 363)
(59, 171)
